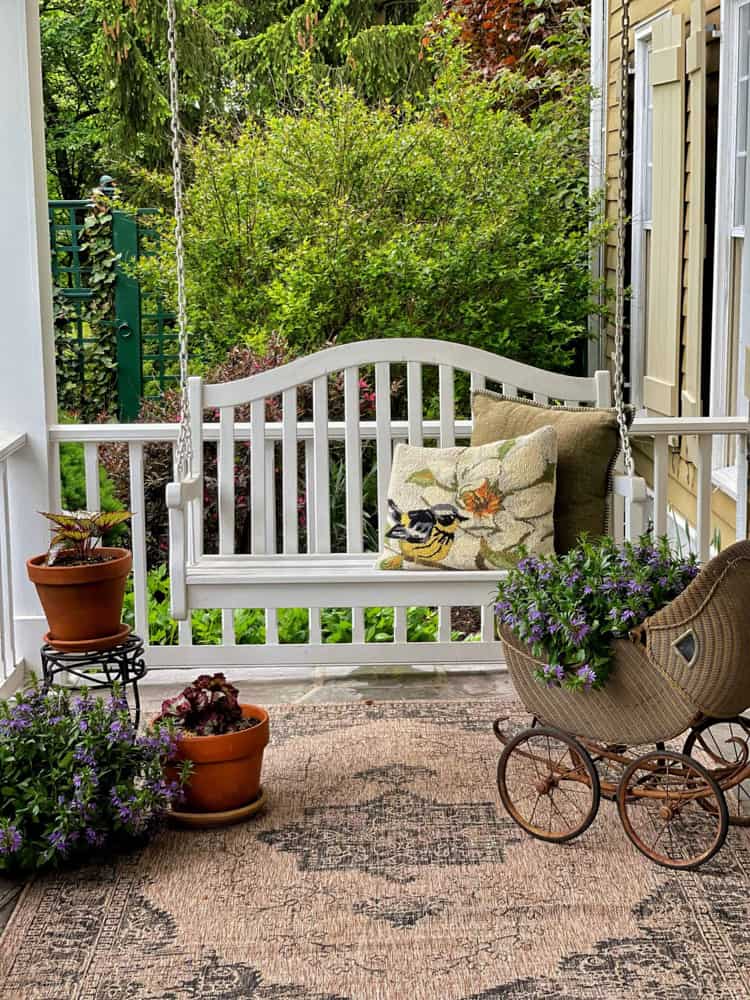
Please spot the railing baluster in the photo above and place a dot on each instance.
(289, 471)
(321, 485)
(226, 503)
(703, 518)
(272, 627)
(353, 461)
(184, 628)
(55, 479)
(444, 624)
(399, 624)
(91, 469)
(741, 506)
(358, 624)
(488, 622)
(414, 401)
(138, 535)
(447, 407)
(316, 636)
(661, 465)
(383, 442)
(257, 476)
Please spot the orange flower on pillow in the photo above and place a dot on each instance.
(483, 501)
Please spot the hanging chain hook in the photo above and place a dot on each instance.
(184, 441)
(621, 233)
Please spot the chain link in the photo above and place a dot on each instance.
(184, 441)
(622, 207)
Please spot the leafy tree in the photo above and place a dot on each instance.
(459, 219)
(106, 82)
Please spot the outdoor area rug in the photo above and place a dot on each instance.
(384, 869)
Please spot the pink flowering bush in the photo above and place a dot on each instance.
(569, 608)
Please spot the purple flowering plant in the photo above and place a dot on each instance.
(76, 778)
(567, 609)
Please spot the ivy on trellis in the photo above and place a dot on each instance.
(85, 336)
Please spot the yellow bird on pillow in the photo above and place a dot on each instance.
(425, 535)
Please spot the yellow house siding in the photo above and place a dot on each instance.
(682, 474)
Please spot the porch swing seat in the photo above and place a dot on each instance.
(276, 574)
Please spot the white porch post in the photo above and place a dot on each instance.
(27, 365)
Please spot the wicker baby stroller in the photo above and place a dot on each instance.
(684, 669)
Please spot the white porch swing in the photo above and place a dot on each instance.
(277, 576)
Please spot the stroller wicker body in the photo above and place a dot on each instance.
(684, 669)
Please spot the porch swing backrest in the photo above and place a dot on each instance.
(276, 573)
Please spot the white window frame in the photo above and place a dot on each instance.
(724, 472)
(640, 225)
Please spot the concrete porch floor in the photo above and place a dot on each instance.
(361, 684)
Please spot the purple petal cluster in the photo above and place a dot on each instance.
(569, 608)
(76, 777)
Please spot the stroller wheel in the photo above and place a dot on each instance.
(548, 784)
(662, 802)
(722, 746)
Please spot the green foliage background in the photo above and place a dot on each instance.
(460, 218)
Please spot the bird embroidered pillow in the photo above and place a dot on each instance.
(471, 508)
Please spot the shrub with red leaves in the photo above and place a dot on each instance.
(511, 34)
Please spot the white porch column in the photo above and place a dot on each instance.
(27, 372)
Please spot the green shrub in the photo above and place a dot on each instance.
(73, 489)
(460, 219)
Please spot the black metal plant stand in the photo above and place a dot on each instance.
(123, 665)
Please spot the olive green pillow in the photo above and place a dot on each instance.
(587, 447)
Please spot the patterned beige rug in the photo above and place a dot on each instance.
(384, 869)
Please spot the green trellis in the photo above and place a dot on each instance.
(145, 337)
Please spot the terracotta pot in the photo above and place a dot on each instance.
(82, 602)
(226, 768)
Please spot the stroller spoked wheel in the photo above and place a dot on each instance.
(722, 746)
(548, 784)
(672, 809)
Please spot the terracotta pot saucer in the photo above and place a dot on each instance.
(209, 819)
(89, 645)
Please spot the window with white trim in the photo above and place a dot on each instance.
(729, 327)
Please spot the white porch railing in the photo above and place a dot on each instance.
(9, 444)
(185, 653)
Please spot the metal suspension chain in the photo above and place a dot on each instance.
(622, 208)
(184, 440)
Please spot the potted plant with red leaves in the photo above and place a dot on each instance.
(223, 739)
(81, 585)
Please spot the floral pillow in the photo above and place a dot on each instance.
(470, 508)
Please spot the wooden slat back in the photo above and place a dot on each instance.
(446, 390)
(321, 489)
(383, 442)
(257, 476)
(414, 402)
(289, 471)
(353, 461)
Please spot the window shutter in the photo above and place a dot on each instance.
(660, 384)
(695, 65)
